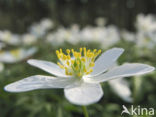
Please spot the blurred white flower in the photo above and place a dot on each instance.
(58, 37)
(9, 38)
(74, 34)
(121, 87)
(100, 21)
(91, 34)
(128, 36)
(146, 23)
(16, 55)
(111, 37)
(40, 29)
(28, 39)
(152, 36)
(144, 41)
(62, 35)
(52, 38)
(46, 24)
(146, 31)
(107, 36)
(79, 75)
(86, 33)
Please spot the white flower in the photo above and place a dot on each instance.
(16, 55)
(46, 24)
(29, 39)
(111, 37)
(121, 87)
(62, 35)
(146, 23)
(106, 36)
(79, 75)
(58, 37)
(100, 21)
(143, 41)
(146, 31)
(40, 29)
(9, 38)
(128, 36)
(93, 34)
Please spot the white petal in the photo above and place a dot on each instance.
(121, 88)
(125, 70)
(106, 60)
(84, 94)
(39, 82)
(49, 67)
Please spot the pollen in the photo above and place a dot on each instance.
(77, 63)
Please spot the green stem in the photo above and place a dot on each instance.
(85, 111)
(134, 90)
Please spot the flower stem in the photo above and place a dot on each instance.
(85, 111)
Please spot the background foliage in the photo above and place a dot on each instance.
(17, 15)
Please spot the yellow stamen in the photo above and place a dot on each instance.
(60, 65)
(80, 50)
(64, 57)
(57, 52)
(99, 51)
(68, 51)
(94, 50)
(80, 64)
(61, 51)
(72, 61)
(68, 57)
(68, 63)
(91, 64)
(91, 70)
(83, 59)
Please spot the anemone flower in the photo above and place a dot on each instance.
(121, 88)
(79, 75)
(9, 38)
(16, 55)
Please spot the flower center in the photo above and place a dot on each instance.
(81, 63)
